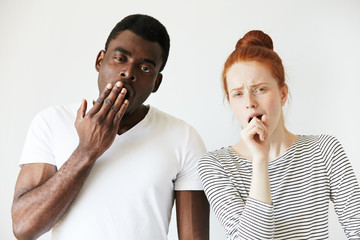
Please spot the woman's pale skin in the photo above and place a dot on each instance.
(256, 100)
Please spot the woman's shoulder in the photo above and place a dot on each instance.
(217, 153)
(219, 160)
(216, 156)
(322, 141)
(319, 138)
(223, 157)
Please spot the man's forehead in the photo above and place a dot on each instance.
(131, 44)
(129, 37)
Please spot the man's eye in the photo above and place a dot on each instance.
(120, 59)
(145, 69)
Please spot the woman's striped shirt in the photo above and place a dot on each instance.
(313, 171)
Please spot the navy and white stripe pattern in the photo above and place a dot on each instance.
(313, 171)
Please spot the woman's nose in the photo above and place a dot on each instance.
(250, 101)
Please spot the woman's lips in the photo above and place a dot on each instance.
(259, 116)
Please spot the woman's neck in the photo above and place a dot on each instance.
(280, 141)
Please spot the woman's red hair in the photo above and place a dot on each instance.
(255, 46)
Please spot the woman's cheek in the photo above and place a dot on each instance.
(240, 116)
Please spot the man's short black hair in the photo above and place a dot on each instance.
(146, 27)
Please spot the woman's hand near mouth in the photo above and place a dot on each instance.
(255, 136)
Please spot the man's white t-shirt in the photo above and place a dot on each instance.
(129, 193)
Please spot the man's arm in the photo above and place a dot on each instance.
(42, 194)
(192, 210)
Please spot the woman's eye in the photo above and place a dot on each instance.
(238, 94)
(259, 90)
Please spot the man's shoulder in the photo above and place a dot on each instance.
(56, 112)
(60, 109)
(166, 118)
(172, 125)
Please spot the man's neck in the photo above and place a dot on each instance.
(129, 121)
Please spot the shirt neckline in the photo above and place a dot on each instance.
(140, 124)
(233, 152)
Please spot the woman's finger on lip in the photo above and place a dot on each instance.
(256, 122)
(264, 118)
(257, 116)
(261, 120)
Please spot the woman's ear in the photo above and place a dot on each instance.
(284, 91)
(99, 59)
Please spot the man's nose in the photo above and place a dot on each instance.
(128, 73)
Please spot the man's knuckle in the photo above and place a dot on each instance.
(118, 116)
(108, 102)
(114, 108)
(99, 101)
(114, 90)
(96, 119)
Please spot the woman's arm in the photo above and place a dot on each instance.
(242, 217)
(344, 187)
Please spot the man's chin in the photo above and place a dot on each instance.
(129, 112)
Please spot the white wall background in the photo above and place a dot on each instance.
(48, 50)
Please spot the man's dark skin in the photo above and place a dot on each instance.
(128, 74)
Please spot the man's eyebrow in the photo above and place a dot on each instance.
(149, 61)
(119, 49)
(127, 53)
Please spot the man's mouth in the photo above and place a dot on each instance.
(127, 95)
(257, 116)
(129, 92)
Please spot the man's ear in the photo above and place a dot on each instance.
(99, 59)
(157, 82)
(284, 91)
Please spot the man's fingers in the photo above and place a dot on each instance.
(111, 100)
(116, 107)
(99, 102)
(119, 115)
(82, 110)
(110, 107)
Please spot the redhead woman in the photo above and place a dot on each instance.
(275, 184)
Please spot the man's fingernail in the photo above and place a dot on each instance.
(118, 84)
(109, 86)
